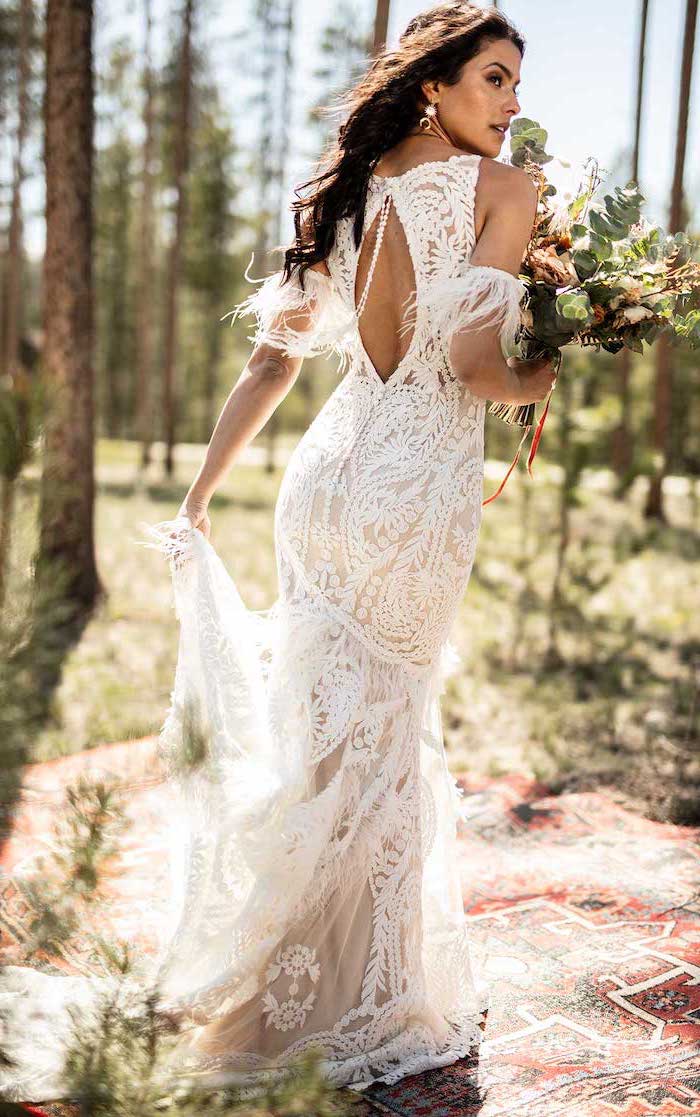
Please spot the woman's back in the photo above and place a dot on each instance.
(405, 286)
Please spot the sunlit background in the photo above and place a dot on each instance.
(580, 624)
(578, 79)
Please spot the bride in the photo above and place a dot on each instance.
(319, 901)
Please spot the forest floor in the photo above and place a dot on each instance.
(600, 690)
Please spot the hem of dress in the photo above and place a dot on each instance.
(353, 1073)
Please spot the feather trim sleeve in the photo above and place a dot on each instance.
(483, 296)
(302, 322)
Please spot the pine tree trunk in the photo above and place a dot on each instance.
(622, 439)
(66, 539)
(654, 508)
(665, 361)
(553, 657)
(381, 26)
(13, 323)
(144, 337)
(13, 278)
(182, 145)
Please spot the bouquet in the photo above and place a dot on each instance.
(595, 274)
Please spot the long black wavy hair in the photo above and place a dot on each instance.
(380, 110)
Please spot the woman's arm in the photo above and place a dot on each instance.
(475, 354)
(264, 382)
(261, 387)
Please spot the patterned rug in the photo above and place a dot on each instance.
(586, 917)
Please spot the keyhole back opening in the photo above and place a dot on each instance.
(384, 281)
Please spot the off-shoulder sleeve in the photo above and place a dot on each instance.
(481, 296)
(302, 322)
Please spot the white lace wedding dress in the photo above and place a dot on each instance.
(320, 901)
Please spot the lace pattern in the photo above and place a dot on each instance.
(352, 842)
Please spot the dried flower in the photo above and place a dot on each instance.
(636, 313)
(549, 267)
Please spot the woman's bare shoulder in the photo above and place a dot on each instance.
(503, 183)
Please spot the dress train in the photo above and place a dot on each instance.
(317, 902)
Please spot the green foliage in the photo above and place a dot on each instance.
(616, 280)
(70, 880)
(121, 1065)
(688, 326)
(209, 265)
(527, 142)
(617, 708)
(550, 328)
(575, 307)
(615, 216)
(22, 402)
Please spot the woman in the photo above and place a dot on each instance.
(321, 902)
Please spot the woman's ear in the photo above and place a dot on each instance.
(430, 90)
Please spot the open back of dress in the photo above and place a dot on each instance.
(385, 282)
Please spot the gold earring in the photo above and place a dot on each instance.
(428, 116)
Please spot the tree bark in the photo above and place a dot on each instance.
(567, 458)
(66, 536)
(665, 362)
(12, 333)
(381, 26)
(182, 153)
(13, 281)
(622, 440)
(144, 336)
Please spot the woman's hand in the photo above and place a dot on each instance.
(195, 509)
(537, 377)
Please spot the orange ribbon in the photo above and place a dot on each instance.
(531, 456)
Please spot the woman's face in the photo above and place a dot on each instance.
(483, 97)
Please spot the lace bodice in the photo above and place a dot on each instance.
(434, 204)
(380, 505)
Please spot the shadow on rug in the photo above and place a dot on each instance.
(586, 916)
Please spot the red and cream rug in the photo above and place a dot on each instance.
(587, 918)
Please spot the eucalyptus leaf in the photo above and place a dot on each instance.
(523, 124)
(600, 247)
(585, 263)
(607, 227)
(632, 342)
(575, 306)
(613, 207)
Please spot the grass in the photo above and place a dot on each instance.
(617, 705)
